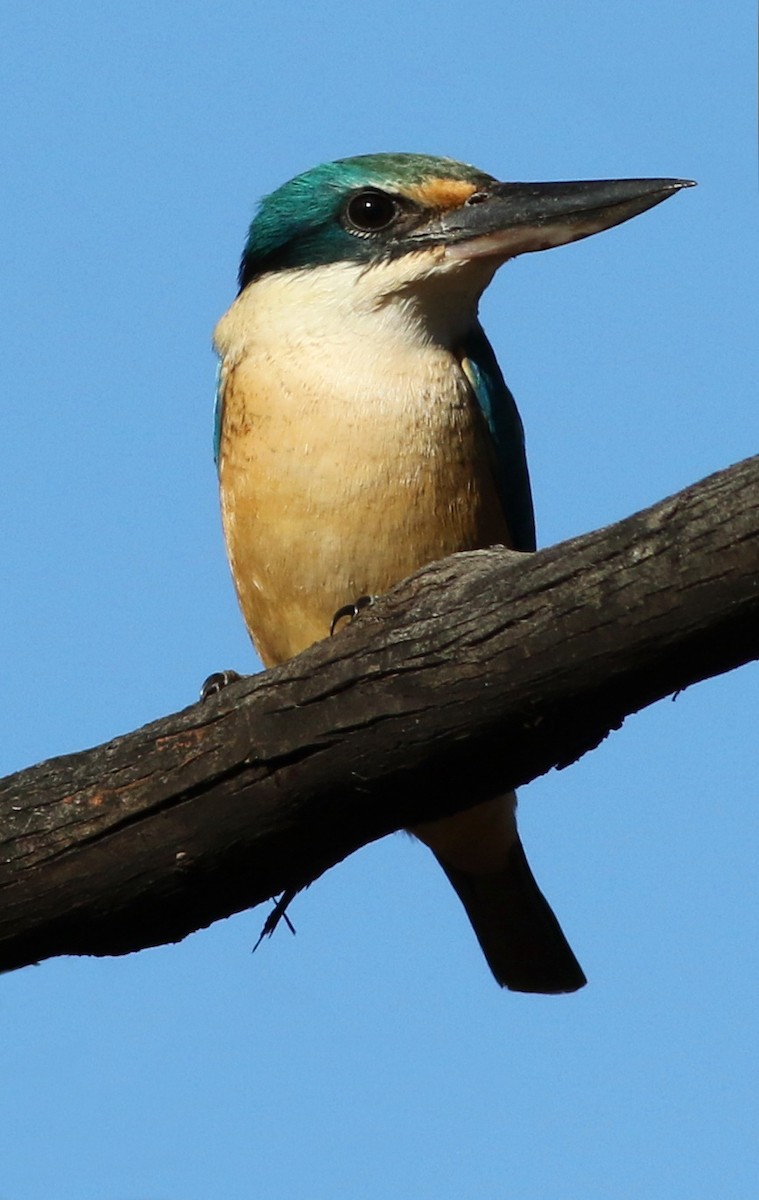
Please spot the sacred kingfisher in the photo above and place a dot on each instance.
(364, 429)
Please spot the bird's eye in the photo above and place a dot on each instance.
(371, 211)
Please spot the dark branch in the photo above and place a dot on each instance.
(480, 672)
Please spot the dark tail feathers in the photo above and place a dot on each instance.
(520, 937)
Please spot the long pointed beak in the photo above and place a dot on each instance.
(507, 219)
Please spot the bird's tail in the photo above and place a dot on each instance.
(516, 928)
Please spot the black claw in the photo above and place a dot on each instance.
(350, 611)
(216, 682)
(277, 914)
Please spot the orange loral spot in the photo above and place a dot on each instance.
(443, 193)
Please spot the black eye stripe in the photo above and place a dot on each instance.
(370, 211)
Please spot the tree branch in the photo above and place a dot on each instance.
(478, 673)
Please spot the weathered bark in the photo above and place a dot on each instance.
(480, 672)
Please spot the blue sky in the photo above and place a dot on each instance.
(372, 1055)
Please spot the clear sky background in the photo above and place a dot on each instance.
(372, 1055)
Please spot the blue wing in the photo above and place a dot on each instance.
(507, 433)
(218, 413)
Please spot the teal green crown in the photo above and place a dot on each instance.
(299, 224)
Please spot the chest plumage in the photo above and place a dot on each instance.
(352, 452)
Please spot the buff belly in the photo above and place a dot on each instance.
(331, 492)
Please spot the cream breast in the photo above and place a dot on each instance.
(352, 449)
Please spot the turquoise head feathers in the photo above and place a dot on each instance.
(307, 221)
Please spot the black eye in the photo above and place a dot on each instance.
(370, 211)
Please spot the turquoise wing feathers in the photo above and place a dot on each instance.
(507, 434)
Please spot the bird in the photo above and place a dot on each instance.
(363, 429)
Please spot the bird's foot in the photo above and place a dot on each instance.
(350, 611)
(277, 914)
(216, 682)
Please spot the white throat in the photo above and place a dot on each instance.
(399, 305)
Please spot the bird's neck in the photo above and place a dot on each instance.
(343, 307)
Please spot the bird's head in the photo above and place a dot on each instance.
(428, 216)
